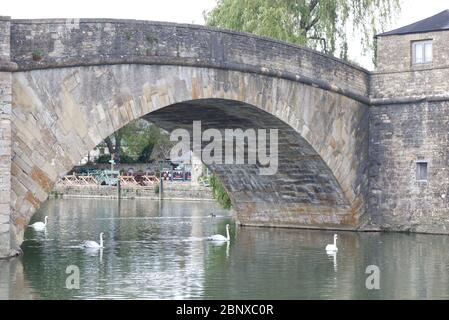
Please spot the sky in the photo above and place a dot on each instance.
(181, 11)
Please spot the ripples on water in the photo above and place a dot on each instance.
(155, 251)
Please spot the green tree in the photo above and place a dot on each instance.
(137, 142)
(319, 24)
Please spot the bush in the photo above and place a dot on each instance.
(124, 158)
(219, 192)
(104, 158)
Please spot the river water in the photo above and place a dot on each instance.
(158, 251)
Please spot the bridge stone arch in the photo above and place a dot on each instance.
(92, 80)
(61, 114)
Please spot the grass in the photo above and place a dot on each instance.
(37, 55)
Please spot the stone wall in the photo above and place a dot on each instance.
(409, 122)
(172, 191)
(5, 139)
(5, 159)
(64, 43)
(400, 136)
(397, 77)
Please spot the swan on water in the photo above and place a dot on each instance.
(332, 247)
(39, 226)
(93, 244)
(219, 237)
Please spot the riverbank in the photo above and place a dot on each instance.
(171, 191)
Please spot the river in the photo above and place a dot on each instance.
(159, 251)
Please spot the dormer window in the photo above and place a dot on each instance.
(422, 52)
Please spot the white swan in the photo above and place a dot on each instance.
(39, 226)
(93, 244)
(332, 247)
(219, 237)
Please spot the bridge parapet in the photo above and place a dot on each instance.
(38, 44)
(5, 23)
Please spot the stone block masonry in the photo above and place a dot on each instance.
(396, 75)
(409, 129)
(402, 137)
(109, 41)
(5, 140)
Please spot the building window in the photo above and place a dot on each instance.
(421, 171)
(422, 52)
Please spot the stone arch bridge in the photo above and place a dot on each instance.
(66, 85)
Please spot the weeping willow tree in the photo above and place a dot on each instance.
(319, 24)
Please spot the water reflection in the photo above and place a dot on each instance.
(333, 257)
(160, 251)
(13, 284)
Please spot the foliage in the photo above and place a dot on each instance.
(319, 24)
(126, 158)
(219, 192)
(136, 142)
(145, 154)
(104, 158)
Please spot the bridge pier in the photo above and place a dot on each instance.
(5, 139)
